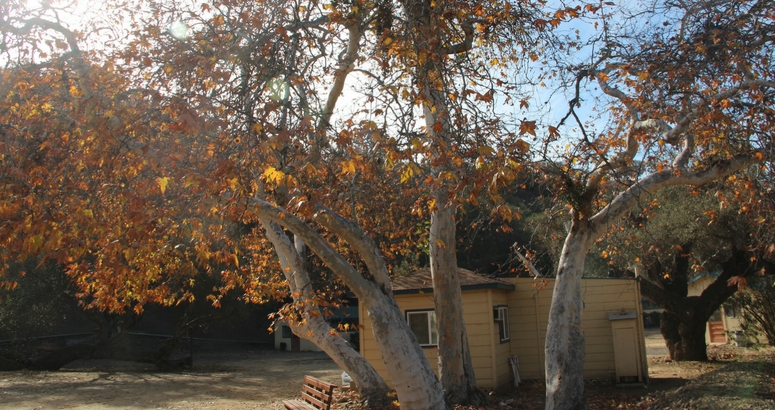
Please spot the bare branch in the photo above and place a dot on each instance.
(526, 262)
(31, 23)
(682, 159)
(290, 260)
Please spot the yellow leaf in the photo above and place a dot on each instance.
(485, 150)
(348, 167)
(273, 175)
(408, 173)
(163, 182)
(191, 181)
(522, 145)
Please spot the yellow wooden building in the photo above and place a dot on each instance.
(506, 323)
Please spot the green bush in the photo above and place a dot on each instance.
(39, 303)
(757, 303)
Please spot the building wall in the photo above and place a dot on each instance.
(528, 316)
(482, 335)
(480, 327)
(696, 287)
(529, 312)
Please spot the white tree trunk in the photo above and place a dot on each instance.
(417, 386)
(373, 389)
(564, 334)
(455, 367)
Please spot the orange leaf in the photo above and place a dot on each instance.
(739, 281)
(528, 127)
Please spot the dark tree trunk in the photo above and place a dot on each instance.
(685, 340)
(684, 318)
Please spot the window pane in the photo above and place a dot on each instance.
(505, 324)
(418, 322)
(502, 320)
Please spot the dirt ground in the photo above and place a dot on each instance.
(241, 377)
(733, 378)
(223, 377)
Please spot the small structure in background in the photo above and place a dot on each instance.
(725, 321)
(284, 339)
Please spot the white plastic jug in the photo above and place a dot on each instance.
(346, 379)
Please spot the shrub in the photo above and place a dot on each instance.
(757, 303)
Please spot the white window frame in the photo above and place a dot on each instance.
(501, 315)
(433, 334)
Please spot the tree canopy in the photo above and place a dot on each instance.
(164, 141)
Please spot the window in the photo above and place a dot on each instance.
(501, 314)
(423, 325)
(287, 334)
(729, 311)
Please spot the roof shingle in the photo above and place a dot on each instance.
(420, 281)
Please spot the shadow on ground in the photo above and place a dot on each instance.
(236, 377)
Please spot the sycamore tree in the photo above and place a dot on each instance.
(155, 143)
(87, 168)
(685, 92)
(264, 81)
(443, 50)
(317, 173)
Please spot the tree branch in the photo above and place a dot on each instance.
(344, 68)
(468, 40)
(658, 180)
(359, 240)
(316, 243)
(31, 23)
